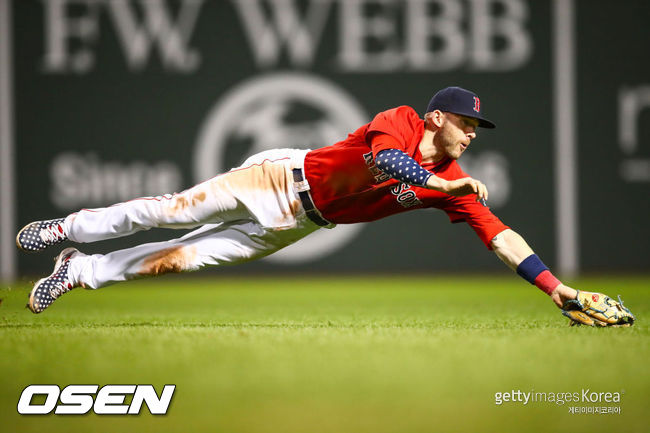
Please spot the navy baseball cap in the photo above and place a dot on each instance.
(459, 101)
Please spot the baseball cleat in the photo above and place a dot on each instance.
(48, 289)
(39, 235)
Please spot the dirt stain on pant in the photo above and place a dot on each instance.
(174, 259)
(197, 198)
(182, 201)
(265, 176)
(288, 216)
(268, 182)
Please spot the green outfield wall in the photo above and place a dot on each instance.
(108, 100)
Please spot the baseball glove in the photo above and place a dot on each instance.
(597, 309)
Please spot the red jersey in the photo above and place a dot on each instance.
(347, 187)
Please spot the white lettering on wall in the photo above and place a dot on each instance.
(445, 27)
(138, 34)
(507, 27)
(61, 29)
(284, 27)
(373, 35)
(82, 180)
(437, 35)
(359, 29)
(157, 29)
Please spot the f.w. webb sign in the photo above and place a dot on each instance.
(370, 35)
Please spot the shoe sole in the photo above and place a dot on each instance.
(58, 261)
(30, 304)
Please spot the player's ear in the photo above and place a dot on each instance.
(434, 118)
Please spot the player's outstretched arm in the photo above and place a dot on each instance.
(584, 308)
(513, 250)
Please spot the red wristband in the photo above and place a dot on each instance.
(547, 282)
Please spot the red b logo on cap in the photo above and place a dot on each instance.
(477, 104)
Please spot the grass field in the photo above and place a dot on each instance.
(358, 354)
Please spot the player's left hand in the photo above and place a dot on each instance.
(597, 309)
(465, 186)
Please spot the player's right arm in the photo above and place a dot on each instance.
(586, 308)
(515, 252)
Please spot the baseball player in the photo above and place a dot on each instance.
(395, 163)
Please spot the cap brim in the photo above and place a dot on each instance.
(484, 123)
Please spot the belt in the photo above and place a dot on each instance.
(307, 203)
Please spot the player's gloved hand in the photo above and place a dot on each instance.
(597, 309)
(465, 186)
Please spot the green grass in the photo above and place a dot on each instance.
(391, 354)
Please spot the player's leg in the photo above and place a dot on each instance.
(188, 209)
(260, 190)
(211, 245)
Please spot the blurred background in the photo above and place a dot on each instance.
(102, 101)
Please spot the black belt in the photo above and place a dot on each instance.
(307, 203)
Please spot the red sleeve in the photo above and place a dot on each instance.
(480, 218)
(380, 141)
(393, 129)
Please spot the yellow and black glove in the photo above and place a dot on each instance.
(597, 309)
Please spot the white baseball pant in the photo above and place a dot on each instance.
(245, 214)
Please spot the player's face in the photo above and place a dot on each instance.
(455, 134)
